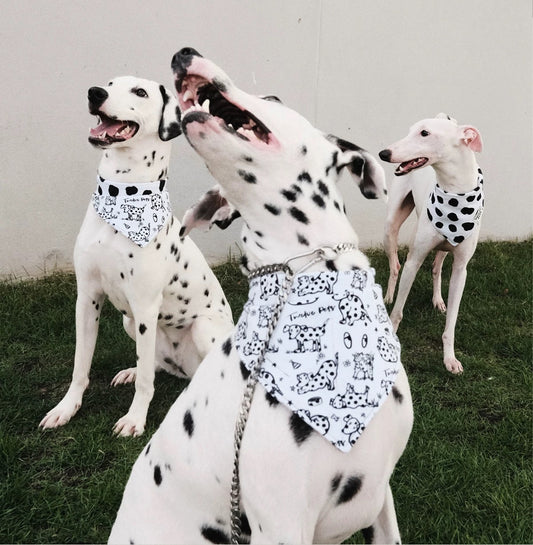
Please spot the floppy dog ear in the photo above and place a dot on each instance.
(366, 170)
(211, 209)
(169, 125)
(472, 138)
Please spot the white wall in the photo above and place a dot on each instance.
(362, 69)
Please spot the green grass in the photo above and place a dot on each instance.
(465, 477)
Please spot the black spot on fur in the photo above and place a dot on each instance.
(335, 482)
(157, 475)
(273, 209)
(148, 449)
(300, 429)
(289, 195)
(304, 177)
(398, 396)
(318, 200)
(227, 346)
(350, 488)
(304, 150)
(298, 215)
(272, 401)
(244, 372)
(302, 240)
(323, 188)
(330, 265)
(188, 423)
(214, 535)
(368, 534)
(142, 329)
(247, 176)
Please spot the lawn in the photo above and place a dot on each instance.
(465, 477)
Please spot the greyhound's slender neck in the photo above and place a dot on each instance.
(457, 175)
(129, 164)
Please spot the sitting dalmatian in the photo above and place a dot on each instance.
(364, 365)
(352, 309)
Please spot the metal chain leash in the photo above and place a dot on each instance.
(320, 255)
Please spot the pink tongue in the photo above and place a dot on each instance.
(109, 127)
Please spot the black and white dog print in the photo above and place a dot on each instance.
(138, 211)
(455, 215)
(335, 353)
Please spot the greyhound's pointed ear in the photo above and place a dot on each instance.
(211, 209)
(169, 125)
(363, 166)
(471, 138)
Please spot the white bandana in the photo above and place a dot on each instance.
(138, 211)
(332, 358)
(453, 215)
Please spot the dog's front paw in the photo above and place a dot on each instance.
(128, 426)
(439, 304)
(453, 365)
(60, 414)
(125, 376)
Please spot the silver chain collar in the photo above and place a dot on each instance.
(320, 254)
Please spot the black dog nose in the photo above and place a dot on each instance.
(97, 96)
(385, 155)
(183, 58)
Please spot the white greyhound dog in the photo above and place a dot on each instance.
(129, 249)
(298, 483)
(449, 214)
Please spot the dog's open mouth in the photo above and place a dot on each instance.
(408, 166)
(200, 99)
(110, 130)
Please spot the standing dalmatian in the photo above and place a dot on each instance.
(305, 475)
(129, 250)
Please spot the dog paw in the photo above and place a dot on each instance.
(59, 415)
(125, 376)
(454, 366)
(440, 305)
(128, 427)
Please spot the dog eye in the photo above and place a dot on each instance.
(140, 92)
(424, 133)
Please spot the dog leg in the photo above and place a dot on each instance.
(415, 258)
(126, 376)
(455, 293)
(438, 301)
(385, 529)
(88, 309)
(399, 208)
(145, 317)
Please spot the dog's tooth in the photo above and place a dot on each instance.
(205, 105)
(188, 95)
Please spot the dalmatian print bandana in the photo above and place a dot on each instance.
(454, 215)
(138, 211)
(332, 358)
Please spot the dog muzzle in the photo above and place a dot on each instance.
(332, 358)
(138, 211)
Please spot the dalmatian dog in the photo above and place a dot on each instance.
(323, 378)
(351, 398)
(305, 336)
(449, 214)
(352, 309)
(306, 285)
(352, 425)
(364, 365)
(171, 302)
(295, 486)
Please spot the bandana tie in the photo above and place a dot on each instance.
(138, 211)
(454, 215)
(332, 358)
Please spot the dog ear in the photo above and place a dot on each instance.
(363, 166)
(169, 125)
(472, 138)
(211, 209)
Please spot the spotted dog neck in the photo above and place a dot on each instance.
(457, 176)
(136, 210)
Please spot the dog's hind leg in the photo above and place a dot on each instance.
(436, 271)
(385, 528)
(88, 309)
(399, 207)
